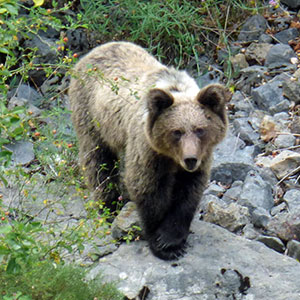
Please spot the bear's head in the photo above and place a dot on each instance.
(186, 129)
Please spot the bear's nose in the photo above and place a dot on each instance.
(190, 162)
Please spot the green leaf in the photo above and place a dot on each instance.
(3, 141)
(12, 266)
(4, 251)
(38, 2)
(5, 229)
(4, 50)
(5, 154)
(18, 131)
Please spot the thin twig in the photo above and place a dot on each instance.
(289, 174)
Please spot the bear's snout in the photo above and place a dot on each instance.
(190, 163)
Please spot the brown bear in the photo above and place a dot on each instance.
(162, 128)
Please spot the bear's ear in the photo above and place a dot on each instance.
(214, 97)
(158, 100)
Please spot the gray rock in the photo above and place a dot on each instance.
(251, 77)
(244, 131)
(16, 101)
(268, 95)
(232, 160)
(206, 200)
(282, 207)
(45, 53)
(28, 93)
(46, 48)
(291, 3)
(202, 272)
(280, 107)
(232, 217)
(238, 62)
(284, 141)
(232, 194)
(241, 104)
(291, 90)
(22, 152)
(257, 52)
(265, 38)
(292, 198)
(253, 28)
(286, 162)
(215, 190)
(126, 219)
(286, 35)
(260, 217)
(285, 225)
(281, 23)
(249, 232)
(256, 193)
(294, 249)
(208, 78)
(279, 55)
(272, 242)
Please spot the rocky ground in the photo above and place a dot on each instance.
(254, 193)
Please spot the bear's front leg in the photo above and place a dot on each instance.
(168, 241)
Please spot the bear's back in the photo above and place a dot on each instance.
(108, 87)
(118, 59)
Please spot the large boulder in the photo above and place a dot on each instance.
(217, 265)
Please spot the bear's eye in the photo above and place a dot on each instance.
(199, 132)
(177, 134)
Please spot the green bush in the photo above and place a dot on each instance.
(47, 281)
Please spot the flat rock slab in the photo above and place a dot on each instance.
(218, 265)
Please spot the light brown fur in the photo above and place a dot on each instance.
(128, 106)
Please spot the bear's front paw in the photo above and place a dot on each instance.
(167, 246)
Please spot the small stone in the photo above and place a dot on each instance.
(294, 4)
(22, 152)
(294, 249)
(284, 141)
(268, 95)
(215, 190)
(253, 28)
(26, 93)
(272, 242)
(232, 160)
(16, 101)
(291, 90)
(232, 194)
(260, 217)
(285, 225)
(286, 35)
(127, 218)
(232, 217)
(282, 106)
(238, 63)
(285, 163)
(241, 103)
(292, 197)
(243, 129)
(279, 55)
(258, 52)
(249, 232)
(256, 193)
(251, 77)
(282, 207)
(265, 38)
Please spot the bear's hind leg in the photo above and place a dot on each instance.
(101, 171)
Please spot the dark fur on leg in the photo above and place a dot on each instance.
(169, 239)
(99, 164)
